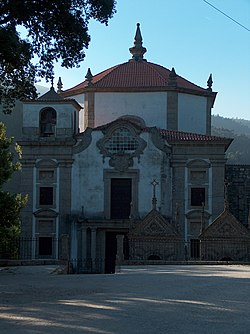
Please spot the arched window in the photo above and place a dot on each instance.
(47, 122)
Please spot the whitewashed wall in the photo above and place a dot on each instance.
(150, 169)
(87, 180)
(88, 183)
(192, 113)
(80, 100)
(151, 106)
(31, 115)
(64, 114)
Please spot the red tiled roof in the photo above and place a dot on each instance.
(180, 136)
(134, 74)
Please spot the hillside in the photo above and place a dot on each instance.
(239, 129)
(237, 125)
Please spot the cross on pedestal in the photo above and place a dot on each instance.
(154, 200)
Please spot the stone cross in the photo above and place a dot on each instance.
(154, 200)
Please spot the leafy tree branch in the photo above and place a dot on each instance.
(56, 31)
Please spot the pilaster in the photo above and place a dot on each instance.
(172, 111)
(89, 109)
(93, 248)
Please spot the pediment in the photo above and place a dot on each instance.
(45, 213)
(226, 226)
(154, 225)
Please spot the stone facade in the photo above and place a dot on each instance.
(238, 178)
(130, 176)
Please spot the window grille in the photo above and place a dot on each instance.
(121, 141)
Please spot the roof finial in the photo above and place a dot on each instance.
(59, 85)
(172, 78)
(138, 50)
(210, 82)
(89, 77)
(52, 83)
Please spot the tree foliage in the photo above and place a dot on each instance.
(10, 204)
(239, 151)
(55, 30)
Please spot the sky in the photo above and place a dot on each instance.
(189, 35)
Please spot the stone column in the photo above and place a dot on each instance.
(84, 246)
(65, 247)
(93, 248)
(119, 254)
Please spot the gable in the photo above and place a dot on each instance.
(226, 226)
(154, 225)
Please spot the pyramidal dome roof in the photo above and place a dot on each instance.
(137, 74)
(50, 95)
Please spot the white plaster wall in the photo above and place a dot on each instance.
(81, 120)
(80, 99)
(88, 183)
(150, 169)
(31, 114)
(87, 180)
(192, 113)
(64, 114)
(151, 106)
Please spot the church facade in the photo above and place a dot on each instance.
(126, 155)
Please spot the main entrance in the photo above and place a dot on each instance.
(110, 252)
(121, 196)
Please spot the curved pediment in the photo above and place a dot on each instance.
(46, 163)
(45, 213)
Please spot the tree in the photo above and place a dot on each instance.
(10, 204)
(55, 30)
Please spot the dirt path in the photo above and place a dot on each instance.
(157, 299)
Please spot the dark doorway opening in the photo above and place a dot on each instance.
(110, 252)
(121, 196)
(195, 248)
(45, 246)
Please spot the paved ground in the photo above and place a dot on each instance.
(156, 299)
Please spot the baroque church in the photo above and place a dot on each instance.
(124, 166)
